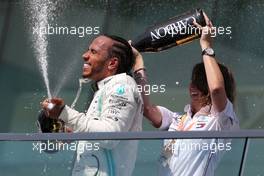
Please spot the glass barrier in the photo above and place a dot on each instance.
(48, 158)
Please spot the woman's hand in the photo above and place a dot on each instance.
(206, 38)
(139, 62)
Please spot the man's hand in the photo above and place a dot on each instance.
(206, 39)
(139, 62)
(55, 111)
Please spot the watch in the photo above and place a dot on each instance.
(208, 51)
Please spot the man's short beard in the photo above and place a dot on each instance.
(97, 71)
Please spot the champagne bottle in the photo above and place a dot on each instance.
(175, 31)
(46, 124)
(50, 125)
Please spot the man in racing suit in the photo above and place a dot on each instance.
(116, 107)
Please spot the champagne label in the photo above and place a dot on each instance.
(172, 29)
(176, 31)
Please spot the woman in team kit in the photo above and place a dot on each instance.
(212, 94)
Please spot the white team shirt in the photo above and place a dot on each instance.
(196, 157)
(116, 107)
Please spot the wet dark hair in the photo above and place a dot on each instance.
(200, 81)
(123, 51)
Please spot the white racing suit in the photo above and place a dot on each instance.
(116, 107)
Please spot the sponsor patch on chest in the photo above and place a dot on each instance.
(203, 121)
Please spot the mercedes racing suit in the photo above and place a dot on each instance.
(117, 106)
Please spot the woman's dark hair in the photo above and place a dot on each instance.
(200, 81)
(123, 51)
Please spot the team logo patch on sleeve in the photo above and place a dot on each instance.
(120, 90)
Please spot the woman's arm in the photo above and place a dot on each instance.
(151, 112)
(214, 75)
